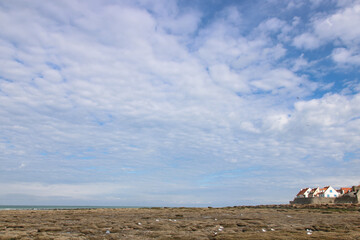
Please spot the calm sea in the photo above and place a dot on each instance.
(44, 207)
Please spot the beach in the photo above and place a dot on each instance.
(244, 222)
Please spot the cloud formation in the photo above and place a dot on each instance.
(136, 103)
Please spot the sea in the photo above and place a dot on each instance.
(55, 207)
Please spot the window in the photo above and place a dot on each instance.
(328, 195)
(330, 190)
(334, 195)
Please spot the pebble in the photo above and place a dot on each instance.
(139, 223)
(107, 232)
(264, 230)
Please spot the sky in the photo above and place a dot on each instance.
(177, 103)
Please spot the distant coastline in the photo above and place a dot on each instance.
(59, 207)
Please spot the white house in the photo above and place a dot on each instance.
(314, 192)
(304, 193)
(328, 192)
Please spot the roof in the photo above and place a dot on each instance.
(345, 190)
(313, 190)
(302, 191)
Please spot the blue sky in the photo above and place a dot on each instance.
(177, 103)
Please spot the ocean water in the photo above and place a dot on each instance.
(46, 207)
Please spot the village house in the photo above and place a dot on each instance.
(314, 192)
(344, 190)
(304, 193)
(328, 192)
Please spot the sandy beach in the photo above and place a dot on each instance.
(261, 222)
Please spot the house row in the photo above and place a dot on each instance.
(327, 192)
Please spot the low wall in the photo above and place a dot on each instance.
(313, 200)
(349, 198)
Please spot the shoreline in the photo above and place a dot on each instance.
(59, 207)
(276, 206)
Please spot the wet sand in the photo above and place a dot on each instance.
(260, 222)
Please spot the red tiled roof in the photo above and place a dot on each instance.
(345, 190)
(313, 190)
(302, 191)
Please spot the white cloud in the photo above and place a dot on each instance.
(300, 63)
(294, 4)
(277, 121)
(276, 79)
(345, 56)
(223, 76)
(333, 115)
(307, 41)
(341, 25)
(339, 28)
(272, 25)
(184, 24)
(249, 126)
